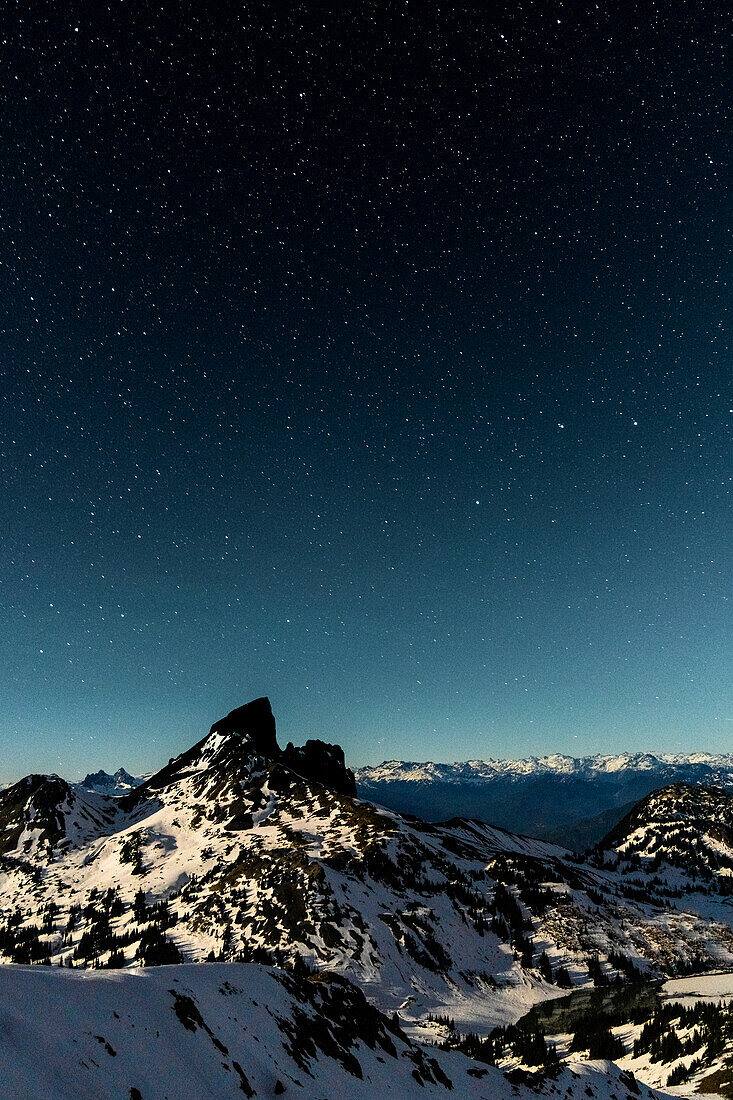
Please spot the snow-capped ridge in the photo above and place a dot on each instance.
(557, 763)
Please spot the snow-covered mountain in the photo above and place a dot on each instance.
(685, 828)
(571, 799)
(119, 783)
(240, 850)
(228, 1030)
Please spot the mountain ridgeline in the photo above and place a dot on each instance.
(573, 801)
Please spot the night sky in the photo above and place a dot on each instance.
(372, 357)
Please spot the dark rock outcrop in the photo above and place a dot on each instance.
(323, 763)
(255, 721)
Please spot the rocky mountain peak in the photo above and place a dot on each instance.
(31, 808)
(685, 802)
(256, 722)
(316, 760)
(323, 763)
(247, 736)
(104, 783)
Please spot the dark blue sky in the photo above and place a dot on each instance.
(377, 362)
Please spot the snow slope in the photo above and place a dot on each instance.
(228, 1030)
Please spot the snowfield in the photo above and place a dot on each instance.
(227, 1030)
(705, 987)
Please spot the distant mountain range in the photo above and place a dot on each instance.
(104, 783)
(569, 800)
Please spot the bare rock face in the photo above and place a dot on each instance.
(255, 721)
(323, 763)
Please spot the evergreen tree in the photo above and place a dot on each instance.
(545, 967)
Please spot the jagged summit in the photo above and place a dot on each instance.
(247, 737)
(244, 734)
(316, 760)
(321, 762)
(105, 783)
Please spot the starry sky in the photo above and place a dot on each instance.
(373, 357)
